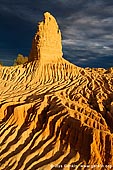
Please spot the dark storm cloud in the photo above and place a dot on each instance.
(89, 32)
(87, 26)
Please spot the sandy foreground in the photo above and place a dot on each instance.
(55, 115)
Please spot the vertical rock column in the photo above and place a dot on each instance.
(47, 45)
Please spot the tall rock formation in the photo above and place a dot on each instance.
(46, 45)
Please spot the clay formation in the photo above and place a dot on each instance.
(47, 44)
(53, 114)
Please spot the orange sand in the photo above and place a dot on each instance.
(53, 112)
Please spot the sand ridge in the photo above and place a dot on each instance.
(55, 113)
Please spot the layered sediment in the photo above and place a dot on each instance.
(53, 114)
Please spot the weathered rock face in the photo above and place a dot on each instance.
(57, 115)
(47, 44)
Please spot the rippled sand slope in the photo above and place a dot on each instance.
(55, 113)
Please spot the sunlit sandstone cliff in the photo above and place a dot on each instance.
(53, 114)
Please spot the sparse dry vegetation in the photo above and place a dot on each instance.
(20, 60)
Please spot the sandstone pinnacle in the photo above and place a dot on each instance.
(46, 45)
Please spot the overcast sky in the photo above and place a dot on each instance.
(86, 26)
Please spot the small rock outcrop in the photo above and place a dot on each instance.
(46, 45)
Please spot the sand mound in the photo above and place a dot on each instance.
(53, 114)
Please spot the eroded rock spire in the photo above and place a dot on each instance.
(46, 45)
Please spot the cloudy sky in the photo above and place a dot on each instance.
(86, 26)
